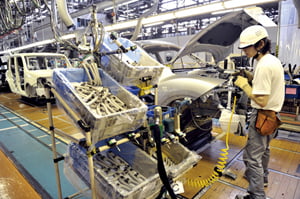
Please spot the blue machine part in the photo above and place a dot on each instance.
(167, 112)
(133, 89)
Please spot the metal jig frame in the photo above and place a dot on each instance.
(92, 150)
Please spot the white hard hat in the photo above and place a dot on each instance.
(251, 35)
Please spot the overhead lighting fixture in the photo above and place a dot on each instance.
(39, 43)
(121, 25)
(226, 11)
(159, 18)
(154, 24)
(189, 12)
(194, 11)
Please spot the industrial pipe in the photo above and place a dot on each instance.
(64, 14)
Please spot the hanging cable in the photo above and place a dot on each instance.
(219, 168)
(91, 69)
(13, 14)
(160, 163)
(94, 28)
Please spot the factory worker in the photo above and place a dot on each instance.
(267, 96)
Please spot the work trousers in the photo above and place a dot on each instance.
(256, 158)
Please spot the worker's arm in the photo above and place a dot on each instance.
(242, 82)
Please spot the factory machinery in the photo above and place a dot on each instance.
(132, 148)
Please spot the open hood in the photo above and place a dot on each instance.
(218, 38)
(157, 45)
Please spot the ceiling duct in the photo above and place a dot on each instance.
(139, 23)
(64, 14)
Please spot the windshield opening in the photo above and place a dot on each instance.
(45, 62)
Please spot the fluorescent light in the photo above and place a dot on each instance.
(146, 21)
(122, 25)
(154, 24)
(39, 43)
(226, 11)
(222, 6)
(194, 11)
(159, 18)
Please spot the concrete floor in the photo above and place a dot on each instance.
(284, 163)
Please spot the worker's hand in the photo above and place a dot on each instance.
(244, 73)
(241, 82)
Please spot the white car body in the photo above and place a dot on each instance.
(25, 72)
(218, 39)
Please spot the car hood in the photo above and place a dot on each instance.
(218, 38)
(157, 45)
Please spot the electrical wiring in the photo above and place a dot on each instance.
(94, 28)
(6, 18)
(198, 126)
(219, 168)
(84, 66)
(97, 30)
(13, 14)
(95, 72)
(91, 70)
(26, 8)
(55, 30)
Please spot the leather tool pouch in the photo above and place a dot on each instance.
(267, 122)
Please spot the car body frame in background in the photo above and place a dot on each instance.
(26, 72)
(218, 39)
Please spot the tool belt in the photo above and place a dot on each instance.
(266, 122)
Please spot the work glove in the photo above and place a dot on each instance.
(242, 82)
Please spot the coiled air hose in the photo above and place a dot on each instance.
(219, 168)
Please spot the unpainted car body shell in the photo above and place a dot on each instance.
(23, 79)
(218, 39)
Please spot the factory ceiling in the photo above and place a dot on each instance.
(25, 17)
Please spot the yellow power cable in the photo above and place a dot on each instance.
(219, 168)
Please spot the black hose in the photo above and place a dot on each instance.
(160, 164)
